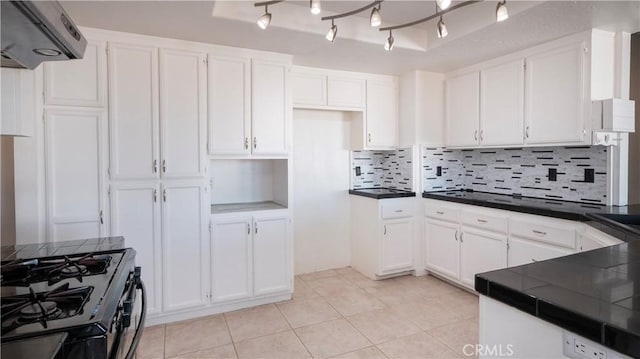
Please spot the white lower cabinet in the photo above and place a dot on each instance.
(185, 251)
(442, 248)
(135, 213)
(231, 260)
(397, 238)
(590, 238)
(480, 251)
(251, 255)
(524, 251)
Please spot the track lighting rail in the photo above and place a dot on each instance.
(267, 3)
(353, 12)
(430, 17)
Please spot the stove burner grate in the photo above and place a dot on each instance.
(25, 272)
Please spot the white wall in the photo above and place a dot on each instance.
(321, 183)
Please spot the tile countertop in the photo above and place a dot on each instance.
(23, 251)
(595, 294)
(381, 193)
(575, 211)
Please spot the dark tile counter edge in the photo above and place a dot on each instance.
(382, 196)
(601, 332)
(509, 207)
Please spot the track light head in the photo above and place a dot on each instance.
(389, 44)
(442, 29)
(333, 31)
(264, 20)
(376, 18)
(314, 5)
(501, 11)
(443, 4)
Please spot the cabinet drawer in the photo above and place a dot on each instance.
(489, 222)
(558, 233)
(522, 251)
(397, 210)
(440, 212)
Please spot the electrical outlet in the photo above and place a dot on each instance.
(580, 348)
(589, 175)
(553, 174)
(439, 171)
(358, 171)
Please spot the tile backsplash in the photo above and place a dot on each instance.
(580, 171)
(391, 169)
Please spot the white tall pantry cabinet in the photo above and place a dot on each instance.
(126, 137)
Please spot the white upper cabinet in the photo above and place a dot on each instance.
(78, 82)
(502, 104)
(182, 113)
(271, 255)
(309, 89)
(555, 96)
(133, 111)
(381, 114)
(463, 110)
(18, 102)
(74, 171)
(346, 92)
(135, 215)
(184, 245)
(270, 110)
(229, 103)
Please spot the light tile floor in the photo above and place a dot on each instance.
(337, 313)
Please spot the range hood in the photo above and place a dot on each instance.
(37, 31)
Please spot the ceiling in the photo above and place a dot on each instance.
(474, 36)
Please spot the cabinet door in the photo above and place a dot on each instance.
(185, 251)
(182, 113)
(396, 251)
(74, 172)
(271, 108)
(555, 96)
(308, 89)
(443, 248)
(271, 255)
(231, 259)
(480, 252)
(18, 102)
(78, 82)
(523, 251)
(502, 104)
(229, 103)
(135, 215)
(382, 114)
(346, 92)
(463, 110)
(133, 111)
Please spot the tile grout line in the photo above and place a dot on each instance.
(294, 332)
(226, 323)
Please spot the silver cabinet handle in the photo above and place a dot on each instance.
(385, 229)
(164, 195)
(475, 135)
(246, 143)
(439, 212)
(481, 220)
(526, 132)
(456, 235)
(540, 233)
(369, 138)
(255, 142)
(461, 234)
(155, 166)
(164, 166)
(255, 226)
(101, 217)
(155, 195)
(398, 211)
(481, 135)
(248, 228)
